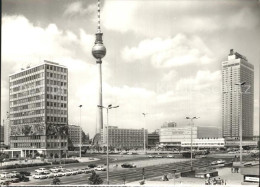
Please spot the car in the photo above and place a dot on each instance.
(14, 173)
(127, 165)
(100, 168)
(40, 175)
(55, 169)
(220, 161)
(26, 173)
(87, 170)
(170, 156)
(11, 178)
(78, 171)
(22, 178)
(158, 156)
(4, 181)
(42, 170)
(150, 156)
(4, 174)
(90, 158)
(50, 175)
(68, 172)
(57, 174)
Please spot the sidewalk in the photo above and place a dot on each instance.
(224, 173)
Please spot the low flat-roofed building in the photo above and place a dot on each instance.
(233, 143)
(250, 175)
(204, 143)
(124, 138)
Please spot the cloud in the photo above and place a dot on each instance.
(178, 51)
(77, 8)
(151, 19)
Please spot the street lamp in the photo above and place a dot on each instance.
(80, 133)
(107, 108)
(191, 125)
(240, 119)
(144, 114)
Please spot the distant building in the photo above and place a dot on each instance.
(153, 139)
(204, 143)
(124, 138)
(38, 101)
(174, 136)
(2, 134)
(7, 132)
(236, 70)
(74, 136)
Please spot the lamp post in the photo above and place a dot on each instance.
(80, 133)
(191, 125)
(107, 108)
(240, 120)
(144, 114)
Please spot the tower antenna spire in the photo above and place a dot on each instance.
(98, 14)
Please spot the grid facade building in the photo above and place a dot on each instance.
(74, 135)
(124, 138)
(235, 70)
(38, 107)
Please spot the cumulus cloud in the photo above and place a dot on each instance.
(178, 51)
(78, 8)
(151, 19)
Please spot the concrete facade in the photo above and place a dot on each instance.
(38, 107)
(235, 70)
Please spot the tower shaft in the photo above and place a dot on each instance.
(100, 110)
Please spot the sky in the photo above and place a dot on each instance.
(163, 57)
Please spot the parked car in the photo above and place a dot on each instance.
(127, 165)
(57, 174)
(55, 169)
(150, 156)
(100, 168)
(50, 175)
(26, 173)
(68, 172)
(158, 156)
(22, 178)
(13, 173)
(4, 181)
(87, 170)
(42, 170)
(220, 161)
(170, 156)
(40, 175)
(4, 174)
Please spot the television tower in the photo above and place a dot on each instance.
(99, 51)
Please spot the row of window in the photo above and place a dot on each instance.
(26, 79)
(58, 90)
(28, 86)
(27, 72)
(28, 113)
(28, 106)
(58, 83)
(56, 137)
(28, 99)
(54, 104)
(31, 145)
(25, 138)
(27, 93)
(56, 97)
(56, 119)
(59, 112)
(55, 68)
(27, 120)
(56, 76)
(56, 144)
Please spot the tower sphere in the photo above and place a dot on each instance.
(99, 51)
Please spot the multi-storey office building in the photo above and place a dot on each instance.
(237, 109)
(74, 134)
(39, 110)
(124, 138)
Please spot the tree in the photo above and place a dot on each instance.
(95, 179)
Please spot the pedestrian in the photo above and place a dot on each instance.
(232, 170)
